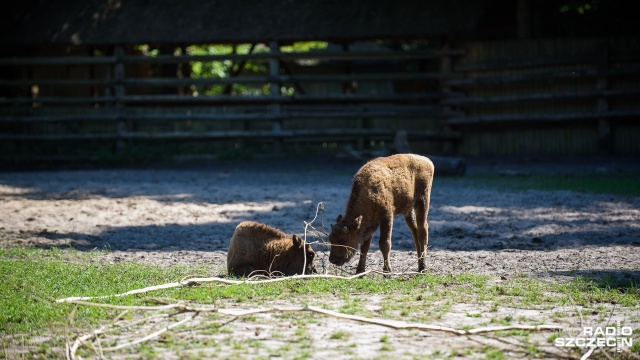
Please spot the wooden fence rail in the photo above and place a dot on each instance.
(290, 56)
(555, 96)
(448, 96)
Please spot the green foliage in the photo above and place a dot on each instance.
(305, 46)
(579, 7)
(228, 68)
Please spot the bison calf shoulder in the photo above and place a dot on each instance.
(382, 188)
(256, 247)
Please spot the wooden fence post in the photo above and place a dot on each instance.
(605, 141)
(446, 67)
(524, 19)
(274, 90)
(348, 88)
(119, 89)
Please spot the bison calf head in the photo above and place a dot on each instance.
(298, 260)
(344, 240)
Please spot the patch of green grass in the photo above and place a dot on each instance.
(609, 289)
(31, 278)
(502, 321)
(354, 306)
(596, 183)
(560, 314)
(552, 338)
(340, 335)
(582, 290)
(492, 353)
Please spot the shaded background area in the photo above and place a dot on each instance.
(131, 82)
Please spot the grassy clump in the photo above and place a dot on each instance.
(31, 278)
(596, 183)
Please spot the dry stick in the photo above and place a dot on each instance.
(550, 354)
(133, 323)
(578, 310)
(258, 272)
(178, 306)
(82, 339)
(151, 336)
(588, 353)
(193, 281)
(316, 230)
(95, 333)
(67, 346)
(131, 343)
(605, 353)
(398, 325)
(304, 241)
(239, 313)
(99, 349)
(630, 354)
(471, 338)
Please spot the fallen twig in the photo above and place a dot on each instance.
(194, 281)
(71, 353)
(152, 335)
(80, 340)
(630, 354)
(304, 240)
(67, 347)
(237, 313)
(398, 325)
(588, 353)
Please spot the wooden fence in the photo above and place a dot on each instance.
(549, 97)
(516, 97)
(120, 111)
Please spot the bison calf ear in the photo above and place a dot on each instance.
(358, 221)
(297, 241)
(339, 219)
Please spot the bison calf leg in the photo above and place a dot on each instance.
(242, 270)
(364, 249)
(410, 219)
(423, 234)
(386, 225)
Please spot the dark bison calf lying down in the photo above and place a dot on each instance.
(382, 188)
(261, 248)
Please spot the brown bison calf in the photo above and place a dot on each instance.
(382, 188)
(259, 247)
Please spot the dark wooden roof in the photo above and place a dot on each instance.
(108, 22)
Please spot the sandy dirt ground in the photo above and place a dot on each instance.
(187, 215)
